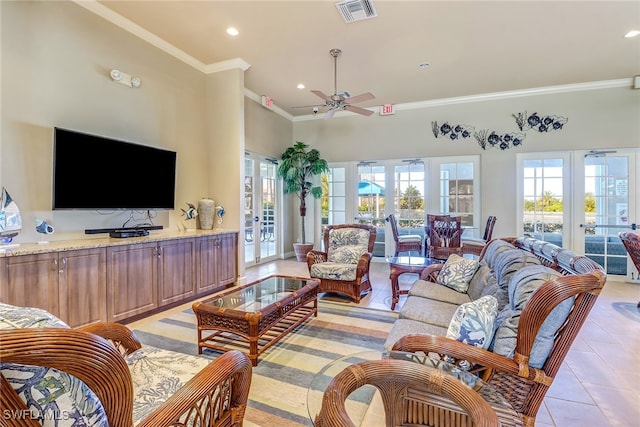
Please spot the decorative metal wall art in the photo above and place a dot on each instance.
(488, 138)
(452, 132)
(503, 141)
(537, 122)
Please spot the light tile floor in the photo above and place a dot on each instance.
(597, 385)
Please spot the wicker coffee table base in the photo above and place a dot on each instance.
(254, 332)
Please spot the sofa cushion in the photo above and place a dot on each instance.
(55, 397)
(493, 249)
(346, 245)
(158, 374)
(334, 271)
(508, 262)
(426, 310)
(14, 317)
(523, 284)
(457, 272)
(479, 281)
(425, 289)
(402, 327)
(473, 322)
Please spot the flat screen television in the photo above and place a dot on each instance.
(95, 172)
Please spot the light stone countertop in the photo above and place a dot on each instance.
(103, 240)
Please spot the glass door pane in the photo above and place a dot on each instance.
(268, 226)
(371, 201)
(606, 210)
(543, 199)
(409, 197)
(260, 210)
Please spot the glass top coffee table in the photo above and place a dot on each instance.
(253, 317)
(364, 405)
(406, 264)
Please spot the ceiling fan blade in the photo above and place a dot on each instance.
(321, 95)
(358, 110)
(330, 114)
(359, 98)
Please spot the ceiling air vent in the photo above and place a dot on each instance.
(356, 10)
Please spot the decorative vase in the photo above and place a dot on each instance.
(301, 250)
(206, 212)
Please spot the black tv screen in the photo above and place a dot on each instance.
(94, 172)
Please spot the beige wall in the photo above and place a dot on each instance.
(56, 58)
(597, 119)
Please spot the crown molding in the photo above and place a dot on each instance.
(227, 65)
(258, 99)
(120, 21)
(574, 87)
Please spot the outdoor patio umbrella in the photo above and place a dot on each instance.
(371, 189)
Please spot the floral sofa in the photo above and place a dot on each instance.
(511, 315)
(56, 376)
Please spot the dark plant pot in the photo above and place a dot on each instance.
(301, 250)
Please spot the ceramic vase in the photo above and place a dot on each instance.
(206, 208)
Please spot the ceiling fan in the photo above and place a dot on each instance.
(342, 100)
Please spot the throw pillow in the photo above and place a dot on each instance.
(473, 322)
(523, 284)
(457, 272)
(54, 397)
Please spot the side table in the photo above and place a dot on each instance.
(406, 264)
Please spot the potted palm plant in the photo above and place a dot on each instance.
(299, 164)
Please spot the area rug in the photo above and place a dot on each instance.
(278, 394)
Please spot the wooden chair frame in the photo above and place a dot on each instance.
(401, 383)
(631, 242)
(475, 246)
(406, 246)
(94, 355)
(444, 235)
(354, 289)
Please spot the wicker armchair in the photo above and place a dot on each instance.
(443, 233)
(344, 267)
(216, 396)
(402, 384)
(404, 242)
(474, 246)
(631, 242)
(525, 386)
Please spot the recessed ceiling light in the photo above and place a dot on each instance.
(423, 65)
(632, 33)
(232, 31)
(300, 86)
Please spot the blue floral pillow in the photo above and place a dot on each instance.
(473, 322)
(54, 398)
(457, 272)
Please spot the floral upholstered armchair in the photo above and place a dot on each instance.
(100, 375)
(344, 267)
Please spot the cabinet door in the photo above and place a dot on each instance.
(30, 281)
(206, 271)
(217, 262)
(176, 278)
(131, 280)
(226, 259)
(82, 286)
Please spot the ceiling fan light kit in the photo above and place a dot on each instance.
(341, 100)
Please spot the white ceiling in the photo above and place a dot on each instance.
(474, 47)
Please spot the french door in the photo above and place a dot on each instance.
(609, 180)
(261, 210)
(581, 201)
